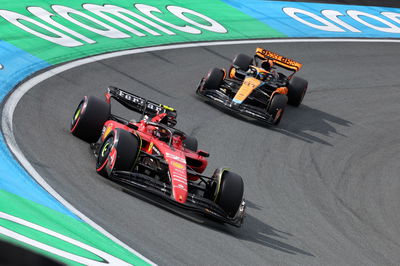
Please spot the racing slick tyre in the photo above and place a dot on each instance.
(213, 79)
(297, 89)
(276, 107)
(243, 61)
(118, 151)
(89, 118)
(229, 191)
(190, 143)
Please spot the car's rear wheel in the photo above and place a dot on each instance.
(213, 79)
(190, 143)
(89, 118)
(229, 191)
(297, 89)
(119, 151)
(277, 107)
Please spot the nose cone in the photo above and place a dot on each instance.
(180, 194)
(177, 170)
(235, 104)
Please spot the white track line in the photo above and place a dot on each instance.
(18, 93)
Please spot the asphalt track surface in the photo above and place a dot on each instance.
(322, 188)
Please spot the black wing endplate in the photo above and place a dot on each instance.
(138, 104)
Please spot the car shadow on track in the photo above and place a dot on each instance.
(253, 230)
(297, 122)
(257, 231)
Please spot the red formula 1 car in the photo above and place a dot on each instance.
(154, 156)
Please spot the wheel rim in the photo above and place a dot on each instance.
(76, 115)
(105, 151)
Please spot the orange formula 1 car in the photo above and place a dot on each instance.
(254, 87)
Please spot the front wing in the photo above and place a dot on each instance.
(219, 98)
(163, 190)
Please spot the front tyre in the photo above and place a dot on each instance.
(229, 191)
(89, 118)
(213, 79)
(297, 88)
(119, 151)
(242, 61)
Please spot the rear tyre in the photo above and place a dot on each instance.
(297, 89)
(118, 151)
(277, 107)
(89, 118)
(213, 79)
(190, 143)
(230, 192)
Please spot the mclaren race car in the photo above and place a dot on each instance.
(258, 86)
(154, 156)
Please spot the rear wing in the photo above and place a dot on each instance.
(136, 103)
(278, 59)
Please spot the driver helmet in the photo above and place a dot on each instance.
(161, 133)
(262, 75)
(267, 64)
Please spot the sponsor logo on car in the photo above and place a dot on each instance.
(175, 157)
(178, 165)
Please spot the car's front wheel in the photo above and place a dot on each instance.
(119, 151)
(242, 61)
(228, 191)
(213, 79)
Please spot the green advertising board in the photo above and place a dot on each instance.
(75, 29)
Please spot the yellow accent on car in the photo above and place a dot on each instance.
(78, 112)
(178, 165)
(150, 146)
(167, 107)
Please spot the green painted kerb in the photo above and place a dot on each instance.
(61, 224)
(81, 26)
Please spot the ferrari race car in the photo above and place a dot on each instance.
(252, 86)
(154, 156)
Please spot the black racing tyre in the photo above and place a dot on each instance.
(230, 194)
(297, 89)
(127, 148)
(89, 118)
(213, 79)
(277, 107)
(243, 61)
(190, 143)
